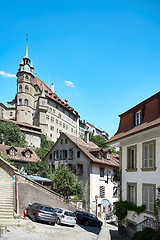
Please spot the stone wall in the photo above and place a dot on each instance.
(30, 192)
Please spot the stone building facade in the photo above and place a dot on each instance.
(38, 105)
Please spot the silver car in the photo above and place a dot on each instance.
(66, 217)
(40, 212)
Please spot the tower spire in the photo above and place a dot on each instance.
(26, 54)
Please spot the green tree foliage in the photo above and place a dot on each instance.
(45, 147)
(121, 209)
(12, 134)
(98, 140)
(66, 183)
(146, 234)
(10, 162)
(39, 168)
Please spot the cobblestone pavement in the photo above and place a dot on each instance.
(41, 231)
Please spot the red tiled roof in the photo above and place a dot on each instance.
(87, 148)
(19, 154)
(53, 96)
(150, 118)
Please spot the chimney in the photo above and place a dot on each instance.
(86, 136)
(52, 87)
(66, 101)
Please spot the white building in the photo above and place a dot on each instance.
(138, 138)
(97, 168)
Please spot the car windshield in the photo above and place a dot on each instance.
(70, 214)
(48, 209)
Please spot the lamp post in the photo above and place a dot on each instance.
(96, 198)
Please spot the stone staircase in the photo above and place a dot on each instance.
(6, 196)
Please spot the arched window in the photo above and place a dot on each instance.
(20, 88)
(26, 89)
(26, 102)
(20, 101)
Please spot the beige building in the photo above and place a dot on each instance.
(37, 105)
(97, 168)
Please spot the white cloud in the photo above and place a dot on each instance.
(69, 84)
(5, 74)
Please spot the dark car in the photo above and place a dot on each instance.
(87, 219)
(40, 212)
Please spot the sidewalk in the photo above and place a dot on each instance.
(110, 232)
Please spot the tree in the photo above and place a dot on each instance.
(98, 140)
(66, 183)
(12, 134)
(39, 168)
(45, 147)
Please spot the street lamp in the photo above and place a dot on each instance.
(96, 198)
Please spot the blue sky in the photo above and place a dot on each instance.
(109, 50)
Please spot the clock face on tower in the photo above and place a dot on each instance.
(20, 78)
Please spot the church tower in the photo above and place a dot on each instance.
(25, 90)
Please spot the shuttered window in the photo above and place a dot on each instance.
(149, 155)
(149, 197)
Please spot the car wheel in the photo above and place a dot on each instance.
(58, 221)
(86, 223)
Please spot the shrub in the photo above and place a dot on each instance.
(146, 234)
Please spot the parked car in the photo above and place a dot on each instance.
(40, 212)
(87, 219)
(66, 217)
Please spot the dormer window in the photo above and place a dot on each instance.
(12, 152)
(138, 118)
(108, 156)
(28, 154)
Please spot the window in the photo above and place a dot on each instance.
(47, 117)
(11, 113)
(108, 156)
(12, 152)
(70, 154)
(20, 88)
(43, 103)
(148, 155)
(138, 118)
(101, 172)
(59, 115)
(50, 156)
(102, 191)
(28, 154)
(56, 155)
(132, 192)
(66, 141)
(63, 154)
(149, 196)
(26, 77)
(132, 158)
(52, 119)
(78, 154)
(26, 102)
(26, 89)
(20, 101)
(56, 121)
(79, 169)
(61, 141)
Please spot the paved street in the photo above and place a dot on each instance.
(39, 231)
